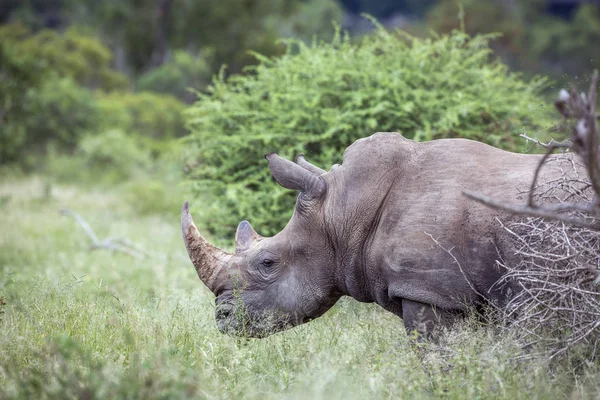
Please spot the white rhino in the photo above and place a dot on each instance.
(390, 226)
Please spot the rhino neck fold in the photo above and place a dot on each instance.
(353, 236)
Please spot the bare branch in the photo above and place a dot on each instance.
(549, 212)
(86, 227)
(558, 305)
(566, 144)
(115, 244)
(551, 149)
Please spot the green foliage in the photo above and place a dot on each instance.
(46, 100)
(143, 114)
(570, 47)
(115, 152)
(59, 111)
(72, 54)
(108, 157)
(154, 197)
(177, 76)
(230, 27)
(383, 8)
(18, 73)
(319, 99)
(44, 96)
(233, 27)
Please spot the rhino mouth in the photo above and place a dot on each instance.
(236, 320)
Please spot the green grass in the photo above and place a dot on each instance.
(97, 324)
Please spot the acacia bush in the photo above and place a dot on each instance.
(320, 98)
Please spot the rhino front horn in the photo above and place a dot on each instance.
(210, 261)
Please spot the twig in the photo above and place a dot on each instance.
(546, 212)
(551, 149)
(86, 227)
(565, 144)
(115, 244)
(449, 251)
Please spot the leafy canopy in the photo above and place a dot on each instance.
(319, 99)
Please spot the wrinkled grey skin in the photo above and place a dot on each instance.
(366, 229)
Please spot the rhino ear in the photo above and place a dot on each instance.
(245, 236)
(292, 176)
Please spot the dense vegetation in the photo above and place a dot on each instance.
(61, 98)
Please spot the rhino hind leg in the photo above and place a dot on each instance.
(426, 319)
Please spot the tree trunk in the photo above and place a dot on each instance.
(159, 53)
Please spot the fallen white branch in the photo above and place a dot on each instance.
(111, 243)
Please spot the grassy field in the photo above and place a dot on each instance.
(99, 324)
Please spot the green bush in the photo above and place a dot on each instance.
(532, 39)
(57, 112)
(178, 75)
(18, 72)
(143, 114)
(319, 99)
(73, 54)
(151, 196)
(114, 152)
(60, 111)
(45, 95)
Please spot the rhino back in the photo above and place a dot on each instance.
(408, 230)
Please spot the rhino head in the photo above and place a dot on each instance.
(271, 283)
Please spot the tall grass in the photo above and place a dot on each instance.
(96, 324)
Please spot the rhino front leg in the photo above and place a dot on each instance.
(425, 319)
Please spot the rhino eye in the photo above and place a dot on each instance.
(267, 263)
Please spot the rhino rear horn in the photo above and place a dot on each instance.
(292, 176)
(301, 161)
(210, 261)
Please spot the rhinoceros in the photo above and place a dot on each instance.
(389, 225)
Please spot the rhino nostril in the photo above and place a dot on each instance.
(224, 311)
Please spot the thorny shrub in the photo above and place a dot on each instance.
(558, 305)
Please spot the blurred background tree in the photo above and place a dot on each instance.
(539, 36)
(79, 74)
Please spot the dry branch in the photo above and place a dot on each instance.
(110, 243)
(558, 304)
(557, 241)
(548, 212)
